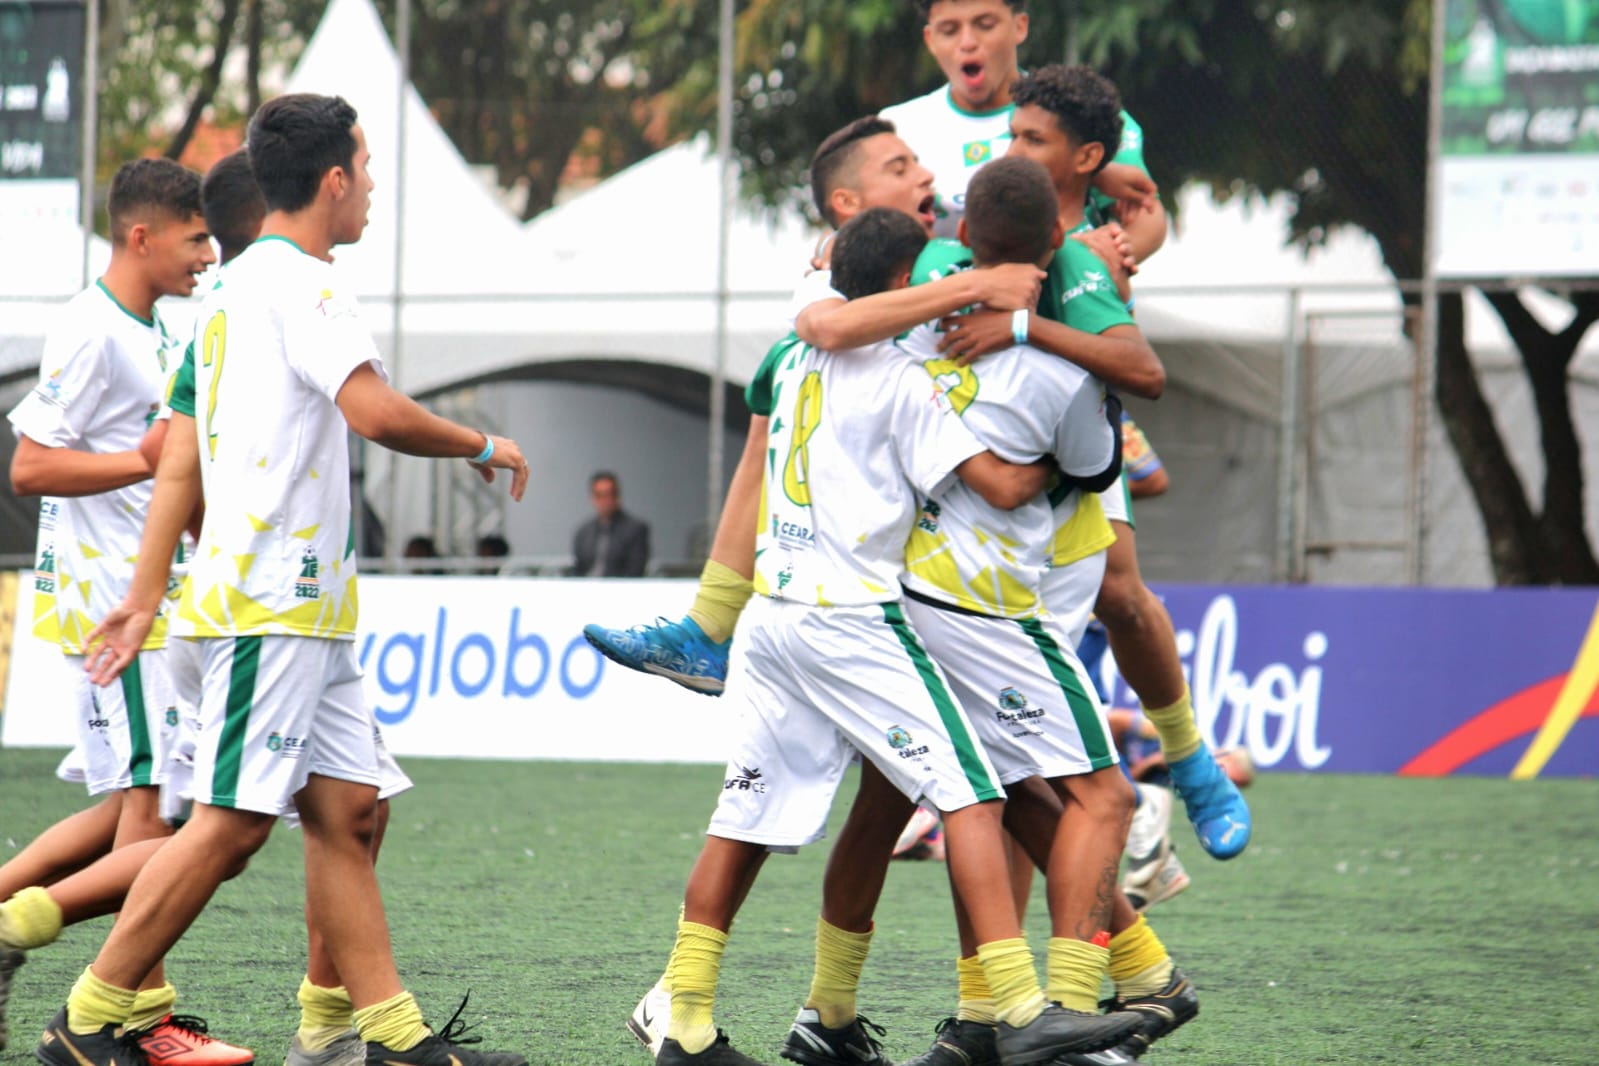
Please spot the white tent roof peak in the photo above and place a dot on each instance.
(457, 238)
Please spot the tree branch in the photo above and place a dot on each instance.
(209, 82)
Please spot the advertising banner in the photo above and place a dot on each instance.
(1518, 179)
(1413, 681)
(41, 67)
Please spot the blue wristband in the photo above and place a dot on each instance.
(1129, 305)
(486, 454)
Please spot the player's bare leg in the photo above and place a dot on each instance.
(693, 651)
(66, 847)
(1145, 646)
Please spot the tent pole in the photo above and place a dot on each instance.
(91, 127)
(1288, 565)
(1427, 342)
(402, 47)
(717, 443)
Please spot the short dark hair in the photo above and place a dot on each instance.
(1011, 210)
(294, 140)
(926, 7)
(605, 475)
(872, 248)
(834, 156)
(234, 206)
(149, 189)
(1085, 104)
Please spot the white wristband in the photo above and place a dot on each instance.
(1018, 326)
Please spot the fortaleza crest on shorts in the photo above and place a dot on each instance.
(898, 737)
(1011, 700)
(172, 716)
(275, 742)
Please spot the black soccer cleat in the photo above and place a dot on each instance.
(445, 1048)
(811, 1043)
(1059, 1030)
(110, 1045)
(960, 1043)
(1162, 1012)
(720, 1053)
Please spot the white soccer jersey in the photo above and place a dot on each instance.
(952, 144)
(855, 437)
(101, 381)
(1022, 404)
(274, 345)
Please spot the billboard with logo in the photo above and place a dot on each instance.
(41, 68)
(1414, 681)
(1518, 177)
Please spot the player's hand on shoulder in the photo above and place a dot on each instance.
(1110, 243)
(507, 456)
(1010, 286)
(1131, 188)
(969, 337)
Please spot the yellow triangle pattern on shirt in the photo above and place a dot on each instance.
(307, 533)
(257, 524)
(88, 552)
(242, 563)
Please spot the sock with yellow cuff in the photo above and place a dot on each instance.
(325, 1015)
(1139, 963)
(396, 1023)
(151, 1005)
(1076, 968)
(30, 919)
(1179, 735)
(692, 975)
(976, 1000)
(93, 1004)
(840, 958)
(1008, 965)
(722, 594)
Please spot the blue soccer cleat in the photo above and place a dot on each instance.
(677, 650)
(1215, 806)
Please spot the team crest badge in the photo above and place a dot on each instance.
(898, 737)
(274, 742)
(1011, 700)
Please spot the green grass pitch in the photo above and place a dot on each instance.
(1372, 920)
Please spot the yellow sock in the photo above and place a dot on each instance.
(93, 1004)
(722, 594)
(30, 919)
(840, 958)
(976, 1001)
(396, 1023)
(1008, 965)
(151, 1005)
(325, 1015)
(696, 963)
(1076, 970)
(1139, 963)
(1179, 735)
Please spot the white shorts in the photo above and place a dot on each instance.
(1070, 592)
(815, 685)
(1024, 690)
(1118, 501)
(275, 710)
(125, 729)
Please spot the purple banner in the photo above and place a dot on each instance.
(1413, 681)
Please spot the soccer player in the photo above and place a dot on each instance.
(863, 165)
(831, 668)
(286, 370)
(104, 371)
(975, 43)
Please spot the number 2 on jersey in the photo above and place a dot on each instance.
(212, 344)
(807, 419)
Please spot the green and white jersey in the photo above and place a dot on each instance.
(1077, 292)
(856, 438)
(1101, 208)
(952, 143)
(101, 381)
(275, 342)
(1024, 405)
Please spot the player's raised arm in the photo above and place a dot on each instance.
(837, 325)
(1005, 485)
(386, 416)
(114, 642)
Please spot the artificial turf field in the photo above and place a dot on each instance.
(1372, 920)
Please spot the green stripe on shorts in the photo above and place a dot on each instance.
(241, 697)
(983, 786)
(1096, 742)
(140, 755)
